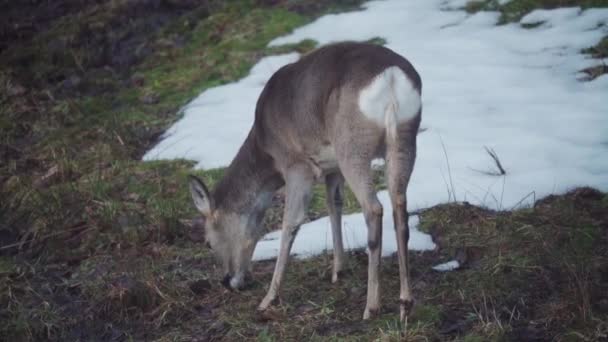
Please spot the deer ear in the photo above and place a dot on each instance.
(201, 197)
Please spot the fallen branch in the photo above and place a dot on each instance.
(492, 153)
(500, 170)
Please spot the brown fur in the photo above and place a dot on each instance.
(308, 127)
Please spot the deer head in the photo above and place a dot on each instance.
(228, 233)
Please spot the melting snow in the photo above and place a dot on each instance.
(512, 89)
(448, 266)
(315, 237)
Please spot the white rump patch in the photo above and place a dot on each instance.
(390, 99)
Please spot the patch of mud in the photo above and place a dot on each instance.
(106, 37)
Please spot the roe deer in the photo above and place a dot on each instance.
(323, 118)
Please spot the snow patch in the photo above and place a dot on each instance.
(315, 237)
(448, 266)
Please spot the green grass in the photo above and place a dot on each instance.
(91, 140)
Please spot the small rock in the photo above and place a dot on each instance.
(200, 286)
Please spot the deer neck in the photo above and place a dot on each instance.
(249, 182)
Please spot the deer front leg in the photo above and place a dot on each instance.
(334, 186)
(299, 181)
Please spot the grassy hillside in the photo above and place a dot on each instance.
(96, 245)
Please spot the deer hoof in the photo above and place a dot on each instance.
(335, 277)
(405, 307)
(267, 302)
(263, 305)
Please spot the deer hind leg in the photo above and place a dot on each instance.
(299, 180)
(334, 186)
(400, 156)
(354, 160)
